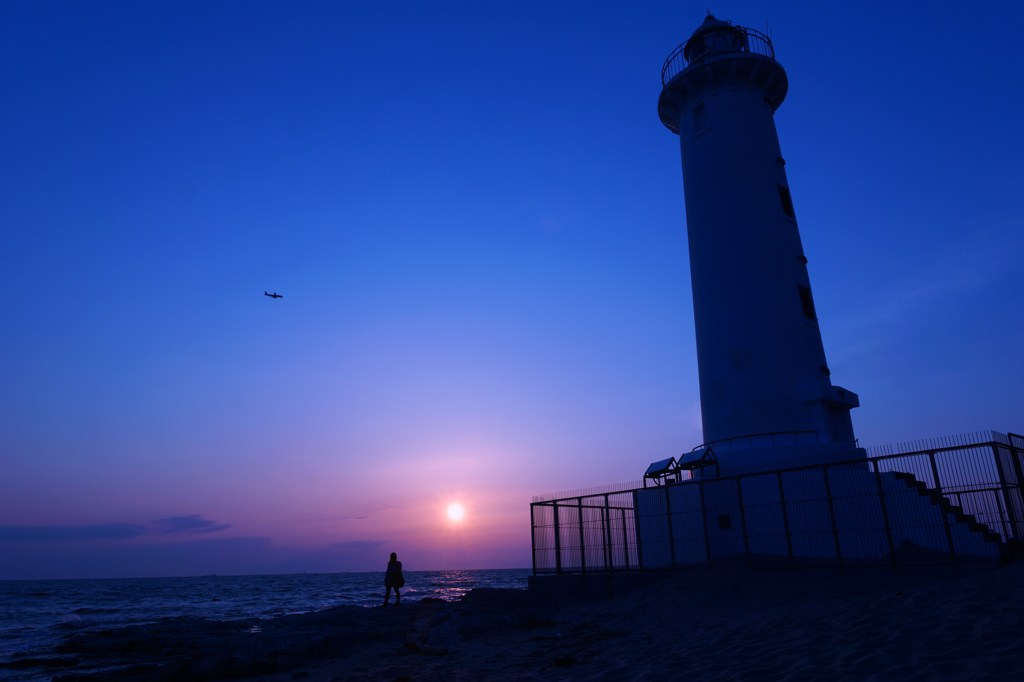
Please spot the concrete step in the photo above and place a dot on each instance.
(955, 511)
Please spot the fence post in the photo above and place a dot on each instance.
(1003, 513)
(1005, 493)
(625, 542)
(1015, 457)
(583, 551)
(606, 520)
(533, 538)
(558, 540)
(743, 519)
(785, 521)
(668, 518)
(945, 516)
(832, 516)
(637, 534)
(704, 518)
(885, 515)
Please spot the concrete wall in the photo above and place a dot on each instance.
(795, 514)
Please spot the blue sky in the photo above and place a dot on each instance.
(477, 223)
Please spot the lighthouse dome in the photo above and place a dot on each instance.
(714, 36)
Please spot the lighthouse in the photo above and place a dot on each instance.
(780, 480)
(766, 393)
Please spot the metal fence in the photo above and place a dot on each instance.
(951, 501)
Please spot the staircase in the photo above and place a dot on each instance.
(948, 508)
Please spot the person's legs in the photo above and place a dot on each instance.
(387, 594)
(398, 597)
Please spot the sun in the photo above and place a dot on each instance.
(455, 512)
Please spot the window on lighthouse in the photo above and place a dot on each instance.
(698, 117)
(787, 201)
(807, 302)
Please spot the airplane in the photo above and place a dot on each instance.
(273, 295)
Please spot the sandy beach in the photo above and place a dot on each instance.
(726, 623)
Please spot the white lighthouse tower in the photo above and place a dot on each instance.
(765, 391)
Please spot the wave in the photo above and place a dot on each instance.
(86, 610)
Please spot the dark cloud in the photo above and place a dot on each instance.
(223, 556)
(105, 531)
(193, 523)
(357, 546)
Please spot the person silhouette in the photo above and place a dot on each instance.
(393, 580)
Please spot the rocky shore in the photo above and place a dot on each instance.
(709, 624)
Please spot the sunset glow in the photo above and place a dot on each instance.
(456, 512)
(485, 296)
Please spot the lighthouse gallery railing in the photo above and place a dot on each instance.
(754, 42)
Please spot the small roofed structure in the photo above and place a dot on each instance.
(661, 471)
(697, 459)
(672, 470)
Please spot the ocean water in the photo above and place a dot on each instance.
(35, 615)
